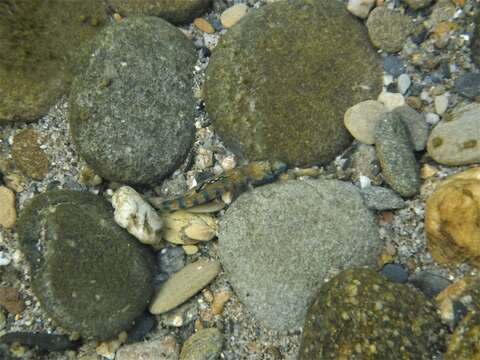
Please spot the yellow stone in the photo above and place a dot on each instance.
(451, 219)
(204, 25)
(8, 214)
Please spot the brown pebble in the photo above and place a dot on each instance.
(28, 155)
(10, 299)
(207, 294)
(204, 25)
(427, 171)
(386, 217)
(219, 301)
(415, 102)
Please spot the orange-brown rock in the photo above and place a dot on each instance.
(452, 219)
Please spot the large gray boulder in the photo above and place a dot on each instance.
(279, 242)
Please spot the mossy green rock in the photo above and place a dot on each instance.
(465, 341)
(38, 38)
(89, 274)
(131, 110)
(280, 80)
(174, 11)
(361, 315)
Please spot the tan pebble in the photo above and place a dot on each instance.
(15, 182)
(117, 17)
(8, 213)
(198, 325)
(414, 102)
(219, 301)
(233, 14)
(204, 25)
(182, 285)
(185, 228)
(207, 294)
(190, 249)
(108, 348)
(206, 315)
(427, 171)
(451, 220)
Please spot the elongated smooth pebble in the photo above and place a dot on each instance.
(182, 285)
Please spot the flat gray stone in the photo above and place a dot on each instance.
(379, 198)
(89, 274)
(457, 142)
(396, 156)
(278, 242)
(468, 85)
(131, 108)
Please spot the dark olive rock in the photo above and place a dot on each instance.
(396, 155)
(48, 342)
(38, 38)
(280, 80)
(131, 110)
(468, 85)
(175, 11)
(141, 327)
(89, 274)
(360, 314)
(464, 344)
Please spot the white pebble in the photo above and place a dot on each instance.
(432, 118)
(364, 181)
(136, 215)
(403, 83)
(387, 79)
(4, 259)
(391, 100)
(425, 96)
(441, 104)
(360, 8)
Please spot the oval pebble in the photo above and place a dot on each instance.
(457, 142)
(8, 214)
(183, 285)
(360, 120)
(397, 159)
(233, 14)
(206, 344)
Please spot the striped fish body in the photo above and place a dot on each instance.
(234, 181)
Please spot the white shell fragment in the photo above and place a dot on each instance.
(185, 228)
(137, 216)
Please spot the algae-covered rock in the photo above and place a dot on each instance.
(38, 38)
(175, 11)
(90, 275)
(280, 80)
(465, 341)
(131, 110)
(28, 154)
(206, 344)
(361, 315)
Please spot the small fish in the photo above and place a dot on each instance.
(233, 181)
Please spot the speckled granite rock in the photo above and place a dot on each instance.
(388, 29)
(457, 142)
(131, 110)
(360, 312)
(38, 38)
(379, 198)
(278, 242)
(174, 11)
(90, 275)
(464, 344)
(267, 90)
(416, 125)
(206, 344)
(395, 153)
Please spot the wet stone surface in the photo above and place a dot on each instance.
(77, 253)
